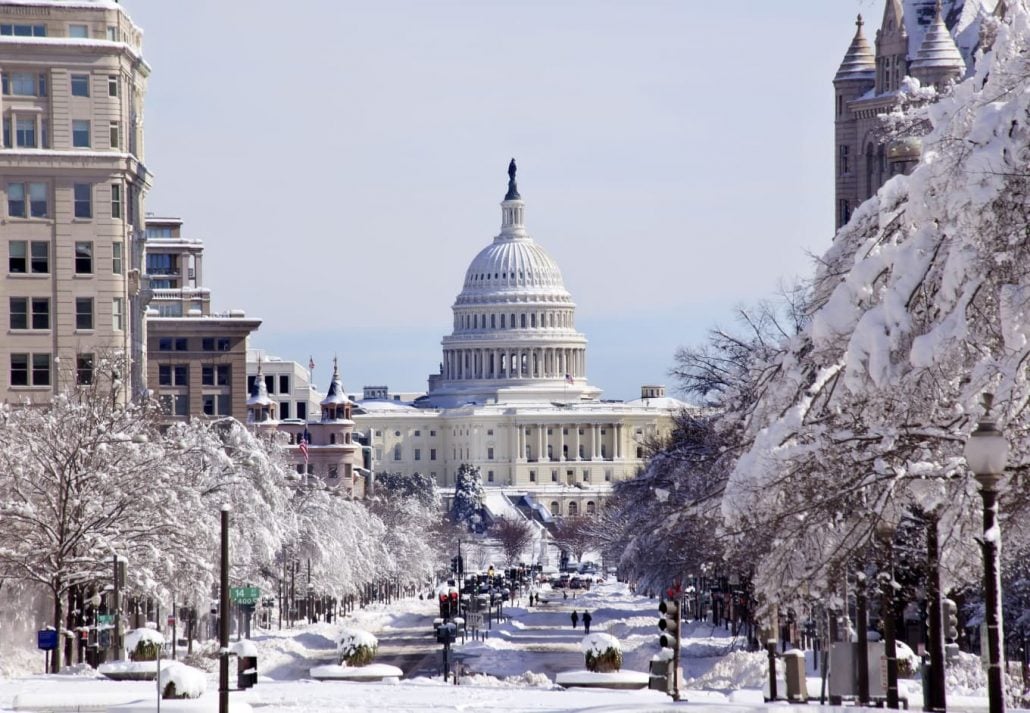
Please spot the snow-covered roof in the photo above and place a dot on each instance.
(962, 16)
(938, 48)
(663, 402)
(336, 395)
(387, 406)
(859, 61)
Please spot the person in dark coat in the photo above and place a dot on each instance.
(575, 618)
(586, 621)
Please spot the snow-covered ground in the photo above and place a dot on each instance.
(513, 669)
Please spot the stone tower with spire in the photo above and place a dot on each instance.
(929, 41)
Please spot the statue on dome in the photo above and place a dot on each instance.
(513, 189)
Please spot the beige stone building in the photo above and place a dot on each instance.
(196, 358)
(72, 181)
(919, 43)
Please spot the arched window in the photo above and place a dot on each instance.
(555, 508)
(523, 320)
(532, 318)
(493, 321)
(502, 321)
(573, 509)
(591, 508)
(396, 452)
(512, 320)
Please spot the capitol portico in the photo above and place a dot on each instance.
(512, 394)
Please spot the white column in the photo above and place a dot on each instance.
(575, 441)
(618, 441)
(594, 441)
(541, 443)
(561, 442)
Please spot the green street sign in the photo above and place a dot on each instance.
(105, 618)
(244, 595)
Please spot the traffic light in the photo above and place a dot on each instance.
(949, 611)
(669, 624)
(445, 606)
(455, 611)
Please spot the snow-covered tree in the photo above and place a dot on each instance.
(513, 535)
(84, 479)
(917, 308)
(468, 495)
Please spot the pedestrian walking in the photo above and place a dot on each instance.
(586, 621)
(575, 618)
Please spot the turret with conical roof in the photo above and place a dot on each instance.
(336, 406)
(891, 48)
(855, 78)
(260, 408)
(938, 60)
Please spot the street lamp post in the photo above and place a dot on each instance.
(987, 454)
(886, 532)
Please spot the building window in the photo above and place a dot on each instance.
(84, 258)
(396, 452)
(112, 33)
(25, 133)
(489, 476)
(284, 409)
(489, 431)
(116, 133)
(117, 313)
(174, 404)
(216, 404)
(532, 476)
(20, 313)
(16, 200)
(83, 200)
(215, 375)
(270, 383)
(302, 410)
(84, 369)
(17, 259)
(23, 30)
(24, 84)
(418, 433)
(555, 508)
(489, 453)
(432, 454)
(844, 164)
(23, 375)
(418, 454)
(112, 85)
(284, 384)
(116, 258)
(608, 475)
(173, 374)
(640, 452)
(586, 476)
(84, 313)
(432, 434)
(81, 133)
(116, 200)
(80, 85)
(844, 208)
(554, 475)
(78, 31)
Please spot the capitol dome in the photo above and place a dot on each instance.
(514, 332)
(511, 263)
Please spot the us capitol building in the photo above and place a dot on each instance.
(512, 394)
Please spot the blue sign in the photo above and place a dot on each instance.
(46, 639)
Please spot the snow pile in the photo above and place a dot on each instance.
(246, 647)
(736, 670)
(187, 681)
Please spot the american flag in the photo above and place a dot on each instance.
(569, 379)
(303, 442)
(311, 363)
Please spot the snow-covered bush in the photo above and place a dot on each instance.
(603, 653)
(144, 644)
(181, 681)
(356, 647)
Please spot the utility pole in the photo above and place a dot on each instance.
(223, 619)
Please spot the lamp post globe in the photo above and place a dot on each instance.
(986, 454)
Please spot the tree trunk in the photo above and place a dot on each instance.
(55, 657)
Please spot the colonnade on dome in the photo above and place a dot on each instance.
(478, 363)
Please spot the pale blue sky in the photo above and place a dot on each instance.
(344, 161)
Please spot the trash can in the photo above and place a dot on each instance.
(797, 689)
